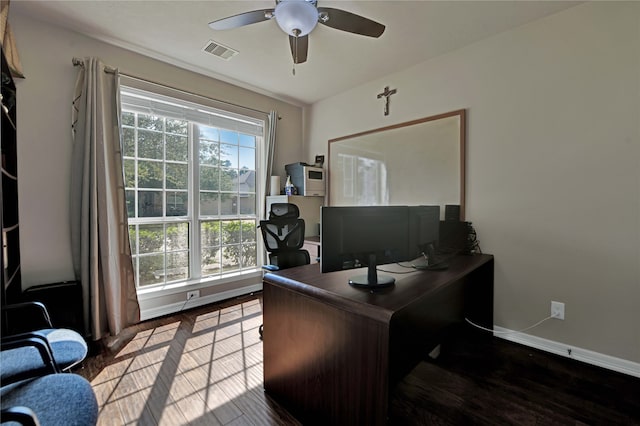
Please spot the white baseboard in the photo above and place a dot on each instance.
(173, 308)
(590, 357)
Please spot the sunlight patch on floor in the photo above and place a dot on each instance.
(183, 372)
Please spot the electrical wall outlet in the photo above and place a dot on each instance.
(557, 310)
(193, 294)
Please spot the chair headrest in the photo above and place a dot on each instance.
(284, 211)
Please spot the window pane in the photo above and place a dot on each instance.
(249, 256)
(177, 203)
(177, 266)
(247, 181)
(149, 174)
(149, 204)
(131, 203)
(177, 148)
(247, 158)
(151, 269)
(128, 119)
(180, 127)
(209, 153)
(150, 145)
(177, 236)
(132, 239)
(247, 204)
(210, 233)
(230, 232)
(129, 173)
(150, 122)
(230, 258)
(209, 178)
(229, 180)
(229, 155)
(150, 238)
(177, 176)
(210, 261)
(228, 204)
(128, 142)
(209, 133)
(229, 136)
(249, 231)
(248, 140)
(209, 204)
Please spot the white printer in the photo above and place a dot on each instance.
(309, 180)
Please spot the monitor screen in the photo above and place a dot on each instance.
(355, 237)
(424, 226)
(350, 234)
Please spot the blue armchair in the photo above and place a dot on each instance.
(54, 399)
(67, 347)
(46, 398)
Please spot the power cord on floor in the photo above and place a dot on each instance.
(191, 296)
(508, 332)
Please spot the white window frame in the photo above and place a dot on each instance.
(194, 218)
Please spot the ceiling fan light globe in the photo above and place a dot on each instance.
(298, 15)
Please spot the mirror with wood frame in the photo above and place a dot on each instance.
(418, 162)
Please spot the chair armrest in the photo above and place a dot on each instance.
(38, 307)
(37, 341)
(23, 415)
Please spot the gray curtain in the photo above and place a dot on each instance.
(270, 146)
(8, 41)
(99, 231)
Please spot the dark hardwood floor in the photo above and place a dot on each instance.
(204, 366)
(489, 381)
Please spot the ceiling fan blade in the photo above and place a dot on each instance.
(350, 22)
(299, 48)
(242, 19)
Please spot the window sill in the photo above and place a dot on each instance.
(167, 300)
(183, 287)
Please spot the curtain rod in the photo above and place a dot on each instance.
(77, 62)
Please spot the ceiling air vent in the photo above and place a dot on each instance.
(219, 50)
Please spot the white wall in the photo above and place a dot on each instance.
(553, 164)
(44, 136)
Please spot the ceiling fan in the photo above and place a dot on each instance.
(298, 18)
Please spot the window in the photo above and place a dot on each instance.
(190, 179)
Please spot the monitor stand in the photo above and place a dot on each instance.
(432, 263)
(372, 279)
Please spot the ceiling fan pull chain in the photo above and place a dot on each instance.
(296, 33)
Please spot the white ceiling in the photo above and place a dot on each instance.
(176, 32)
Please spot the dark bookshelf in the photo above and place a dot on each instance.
(11, 279)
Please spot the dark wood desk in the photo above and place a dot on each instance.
(332, 352)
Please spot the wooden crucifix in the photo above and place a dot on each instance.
(387, 94)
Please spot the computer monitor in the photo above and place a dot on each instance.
(424, 226)
(352, 237)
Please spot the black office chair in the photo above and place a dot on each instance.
(283, 236)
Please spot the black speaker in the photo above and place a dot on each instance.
(453, 237)
(452, 212)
